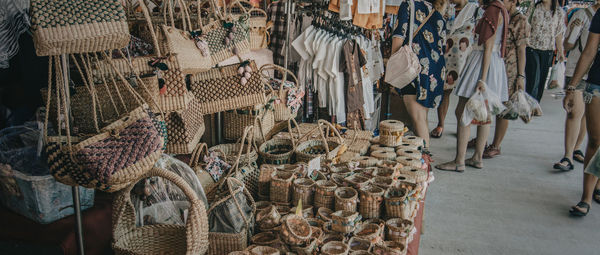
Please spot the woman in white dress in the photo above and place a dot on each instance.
(484, 70)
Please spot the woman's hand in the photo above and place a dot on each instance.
(569, 101)
(520, 83)
(480, 86)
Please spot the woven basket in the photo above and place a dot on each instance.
(379, 147)
(391, 132)
(324, 214)
(268, 218)
(370, 232)
(303, 190)
(196, 163)
(185, 129)
(390, 164)
(263, 250)
(346, 198)
(358, 181)
(281, 186)
(335, 248)
(360, 253)
(325, 194)
(334, 237)
(358, 244)
(398, 230)
(385, 172)
(360, 146)
(389, 248)
(295, 230)
(415, 154)
(78, 26)
(395, 202)
(366, 161)
(310, 149)
(364, 135)
(236, 120)
(231, 150)
(159, 239)
(409, 161)
(344, 221)
(383, 155)
(265, 238)
(383, 182)
(414, 140)
(282, 111)
(419, 174)
(279, 151)
(407, 146)
(259, 34)
(371, 200)
(306, 249)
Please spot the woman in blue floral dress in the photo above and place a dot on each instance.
(426, 91)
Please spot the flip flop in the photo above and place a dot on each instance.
(596, 196)
(562, 167)
(578, 156)
(473, 163)
(577, 213)
(437, 132)
(449, 168)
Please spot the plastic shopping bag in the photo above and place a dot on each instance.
(493, 102)
(557, 76)
(517, 106)
(536, 108)
(475, 110)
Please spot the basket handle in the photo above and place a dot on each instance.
(196, 156)
(245, 137)
(323, 137)
(285, 72)
(150, 27)
(290, 130)
(233, 185)
(197, 221)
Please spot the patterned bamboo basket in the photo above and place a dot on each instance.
(371, 201)
(367, 161)
(346, 198)
(358, 181)
(379, 147)
(295, 230)
(303, 190)
(279, 151)
(370, 232)
(282, 111)
(409, 161)
(389, 248)
(324, 214)
(414, 140)
(151, 239)
(398, 230)
(407, 146)
(281, 186)
(310, 149)
(395, 202)
(391, 132)
(383, 182)
(358, 244)
(268, 218)
(344, 221)
(383, 155)
(236, 120)
(415, 154)
(325, 194)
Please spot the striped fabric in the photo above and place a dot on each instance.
(14, 20)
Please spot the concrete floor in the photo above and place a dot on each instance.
(517, 204)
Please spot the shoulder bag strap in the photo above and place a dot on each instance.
(424, 22)
(411, 10)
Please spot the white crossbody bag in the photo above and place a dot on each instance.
(403, 66)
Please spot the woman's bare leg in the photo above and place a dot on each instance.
(573, 125)
(418, 114)
(442, 111)
(592, 114)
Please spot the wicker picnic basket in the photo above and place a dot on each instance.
(371, 201)
(303, 190)
(323, 148)
(398, 230)
(159, 239)
(78, 26)
(280, 106)
(344, 221)
(295, 230)
(391, 132)
(395, 202)
(325, 194)
(346, 198)
(236, 120)
(279, 151)
(281, 186)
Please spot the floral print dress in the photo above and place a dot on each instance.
(518, 34)
(428, 44)
(460, 40)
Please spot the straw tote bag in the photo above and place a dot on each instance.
(190, 239)
(236, 120)
(404, 66)
(109, 160)
(222, 88)
(287, 99)
(185, 129)
(78, 26)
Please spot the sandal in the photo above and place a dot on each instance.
(596, 196)
(491, 152)
(472, 143)
(437, 132)
(474, 163)
(561, 166)
(578, 213)
(451, 167)
(578, 156)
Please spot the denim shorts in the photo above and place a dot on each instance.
(592, 90)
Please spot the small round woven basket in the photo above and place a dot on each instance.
(366, 161)
(346, 199)
(371, 200)
(335, 248)
(303, 190)
(324, 148)
(414, 140)
(398, 230)
(344, 221)
(295, 230)
(281, 186)
(384, 155)
(409, 161)
(325, 194)
(391, 132)
(415, 154)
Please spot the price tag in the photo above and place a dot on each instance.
(314, 165)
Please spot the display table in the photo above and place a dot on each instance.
(96, 222)
(413, 247)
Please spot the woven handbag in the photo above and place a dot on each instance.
(109, 160)
(160, 239)
(327, 150)
(185, 129)
(279, 151)
(78, 26)
(287, 99)
(259, 29)
(222, 89)
(236, 120)
(226, 27)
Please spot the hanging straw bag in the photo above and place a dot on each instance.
(235, 210)
(223, 88)
(78, 26)
(320, 148)
(259, 29)
(185, 129)
(159, 239)
(109, 160)
(285, 107)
